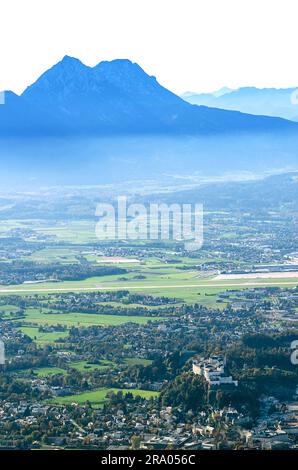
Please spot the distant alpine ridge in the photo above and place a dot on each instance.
(280, 102)
(117, 97)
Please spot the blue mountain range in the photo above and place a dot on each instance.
(262, 101)
(116, 97)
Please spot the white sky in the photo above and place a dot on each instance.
(198, 45)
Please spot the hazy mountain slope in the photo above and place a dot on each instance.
(275, 192)
(267, 101)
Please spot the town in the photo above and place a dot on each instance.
(144, 345)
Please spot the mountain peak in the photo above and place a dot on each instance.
(125, 75)
(118, 62)
(66, 66)
(222, 91)
(70, 59)
(71, 63)
(124, 67)
(61, 77)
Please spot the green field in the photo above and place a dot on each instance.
(72, 231)
(41, 317)
(45, 371)
(43, 338)
(99, 396)
(8, 309)
(84, 366)
(55, 255)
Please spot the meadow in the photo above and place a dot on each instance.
(41, 337)
(98, 397)
(45, 371)
(42, 317)
(85, 366)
